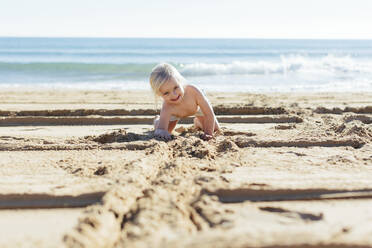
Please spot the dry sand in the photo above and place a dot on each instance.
(82, 169)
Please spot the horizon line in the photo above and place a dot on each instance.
(191, 38)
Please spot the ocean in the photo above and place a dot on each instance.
(238, 65)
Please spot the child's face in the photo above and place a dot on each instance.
(171, 92)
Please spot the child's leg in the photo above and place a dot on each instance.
(216, 126)
(199, 123)
(171, 125)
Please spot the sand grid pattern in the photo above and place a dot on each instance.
(285, 171)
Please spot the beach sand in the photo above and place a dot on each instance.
(82, 169)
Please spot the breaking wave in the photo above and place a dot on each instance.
(292, 64)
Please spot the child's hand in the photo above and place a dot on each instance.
(206, 136)
(162, 134)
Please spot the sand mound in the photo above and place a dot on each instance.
(226, 145)
(192, 147)
(118, 136)
(357, 128)
(363, 118)
(188, 143)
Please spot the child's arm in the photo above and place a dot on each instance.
(206, 108)
(162, 127)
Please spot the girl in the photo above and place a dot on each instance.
(180, 100)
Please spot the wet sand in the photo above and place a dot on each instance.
(287, 170)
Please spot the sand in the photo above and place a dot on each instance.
(82, 169)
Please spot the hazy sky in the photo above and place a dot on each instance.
(350, 19)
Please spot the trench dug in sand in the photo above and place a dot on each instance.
(280, 176)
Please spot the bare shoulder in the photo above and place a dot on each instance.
(194, 90)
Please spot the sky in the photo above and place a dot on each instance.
(299, 19)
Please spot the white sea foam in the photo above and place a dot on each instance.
(226, 84)
(329, 64)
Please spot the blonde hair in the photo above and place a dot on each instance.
(161, 74)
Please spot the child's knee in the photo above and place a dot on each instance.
(197, 123)
(216, 126)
